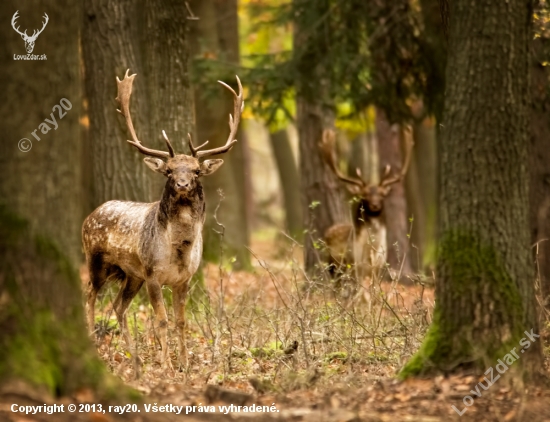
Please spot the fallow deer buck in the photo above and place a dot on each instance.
(363, 242)
(160, 243)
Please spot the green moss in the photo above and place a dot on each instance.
(43, 340)
(330, 357)
(473, 271)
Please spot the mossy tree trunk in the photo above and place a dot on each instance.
(43, 339)
(485, 276)
(214, 35)
(539, 159)
(34, 182)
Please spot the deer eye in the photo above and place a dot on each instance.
(197, 172)
(168, 172)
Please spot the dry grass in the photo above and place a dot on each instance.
(349, 351)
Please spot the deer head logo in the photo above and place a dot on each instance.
(29, 40)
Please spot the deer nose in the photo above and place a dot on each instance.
(182, 185)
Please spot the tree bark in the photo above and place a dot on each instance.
(539, 157)
(484, 291)
(110, 46)
(289, 177)
(43, 340)
(210, 39)
(395, 204)
(165, 46)
(322, 201)
(35, 182)
(322, 197)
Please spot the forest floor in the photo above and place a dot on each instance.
(274, 338)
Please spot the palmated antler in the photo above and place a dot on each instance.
(388, 180)
(327, 147)
(123, 97)
(234, 119)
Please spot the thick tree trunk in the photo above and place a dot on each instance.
(43, 340)
(110, 45)
(35, 183)
(210, 39)
(485, 290)
(322, 199)
(165, 47)
(289, 177)
(539, 159)
(395, 204)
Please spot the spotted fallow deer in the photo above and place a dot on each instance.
(160, 243)
(363, 242)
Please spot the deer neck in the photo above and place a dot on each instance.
(177, 209)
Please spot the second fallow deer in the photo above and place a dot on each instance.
(156, 244)
(362, 243)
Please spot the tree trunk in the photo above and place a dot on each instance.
(43, 340)
(109, 48)
(288, 175)
(395, 204)
(421, 195)
(165, 46)
(416, 208)
(322, 201)
(210, 39)
(435, 53)
(34, 183)
(484, 291)
(539, 157)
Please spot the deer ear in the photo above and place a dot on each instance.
(156, 164)
(210, 166)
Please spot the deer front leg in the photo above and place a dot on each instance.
(179, 297)
(161, 319)
(127, 292)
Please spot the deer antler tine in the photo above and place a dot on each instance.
(190, 142)
(202, 145)
(327, 152)
(123, 97)
(168, 144)
(391, 180)
(234, 119)
(228, 87)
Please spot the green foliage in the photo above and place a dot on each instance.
(353, 54)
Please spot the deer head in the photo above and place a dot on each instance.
(183, 171)
(29, 40)
(371, 195)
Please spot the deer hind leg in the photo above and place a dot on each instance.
(98, 276)
(179, 297)
(127, 292)
(161, 318)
